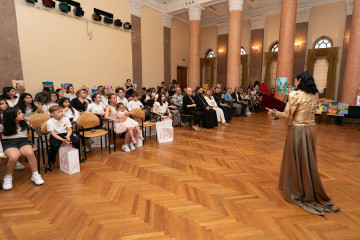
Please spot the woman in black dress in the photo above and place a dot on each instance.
(190, 108)
(209, 114)
(129, 89)
(221, 103)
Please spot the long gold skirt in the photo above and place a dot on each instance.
(300, 181)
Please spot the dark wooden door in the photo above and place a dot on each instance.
(182, 77)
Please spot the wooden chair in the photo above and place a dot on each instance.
(139, 116)
(189, 117)
(86, 125)
(36, 121)
(39, 109)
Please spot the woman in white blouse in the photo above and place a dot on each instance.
(161, 108)
(97, 107)
(9, 94)
(51, 99)
(212, 103)
(104, 96)
(70, 93)
(69, 112)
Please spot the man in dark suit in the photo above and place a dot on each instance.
(221, 104)
(238, 99)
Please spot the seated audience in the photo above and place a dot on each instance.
(121, 98)
(160, 89)
(178, 99)
(147, 99)
(135, 103)
(172, 91)
(97, 107)
(60, 92)
(104, 96)
(127, 124)
(220, 102)
(212, 103)
(209, 115)
(69, 112)
(161, 108)
(9, 94)
(190, 108)
(100, 88)
(26, 105)
(70, 93)
(175, 113)
(80, 103)
(60, 130)
(40, 96)
(231, 102)
(51, 99)
(143, 92)
(238, 99)
(15, 142)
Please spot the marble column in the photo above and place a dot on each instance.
(234, 43)
(167, 48)
(194, 48)
(286, 41)
(351, 81)
(10, 58)
(135, 7)
(256, 48)
(222, 46)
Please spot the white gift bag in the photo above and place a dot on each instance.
(164, 131)
(69, 159)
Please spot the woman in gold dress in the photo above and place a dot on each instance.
(300, 181)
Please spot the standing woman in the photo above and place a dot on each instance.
(51, 99)
(26, 105)
(9, 94)
(300, 180)
(15, 143)
(129, 89)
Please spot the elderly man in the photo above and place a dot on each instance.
(236, 95)
(178, 99)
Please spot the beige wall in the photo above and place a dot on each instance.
(152, 47)
(208, 39)
(246, 35)
(55, 47)
(179, 46)
(328, 20)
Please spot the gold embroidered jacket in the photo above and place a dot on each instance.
(300, 109)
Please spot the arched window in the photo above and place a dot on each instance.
(274, 47)
(243, 52)
(210, 54)
(323, 42)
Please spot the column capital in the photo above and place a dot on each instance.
(195, 12)
(349, 7)
(236, 5)
(257, 22)
(303, 15)
(167, 20)
(135, 7)
(222, 28)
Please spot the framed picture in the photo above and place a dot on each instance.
(281, 84)
(49, 85)
(17, 83)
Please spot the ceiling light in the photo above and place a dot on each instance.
(127, 26)
(117, 23)
(49, 3)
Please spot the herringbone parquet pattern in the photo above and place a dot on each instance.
(211, 185)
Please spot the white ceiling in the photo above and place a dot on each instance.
(217, 11)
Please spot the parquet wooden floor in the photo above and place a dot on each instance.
(211, 185)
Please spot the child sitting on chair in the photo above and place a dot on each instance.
(60, 131)
(135, 103)
(127, 124)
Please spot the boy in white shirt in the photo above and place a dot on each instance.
(135, 103)
(60, 131)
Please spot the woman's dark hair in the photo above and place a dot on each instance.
(70, 85)
(10, 127)
(2, 99)
(160, 89)
(61, 103)
(94, 96)
(159, 99)
(6, 90)
(307, 83)
(47, 98)
(21, 103)
(103, 91)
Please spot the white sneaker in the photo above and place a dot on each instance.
(37, 179)
(248, 113)
(19, 166)
(87, 149)
(139, 143)
(132, 147)
(125, 148)
(7, 183)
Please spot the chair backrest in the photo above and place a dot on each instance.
(37, 119)
(138, 113)
(88, 120)
(44, 128)
(39, 109)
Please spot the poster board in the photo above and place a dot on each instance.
(205, 87)
(281, 83)
(49, 85)
(17, 83)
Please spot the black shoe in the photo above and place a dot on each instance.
(82, 160)
(48, 168)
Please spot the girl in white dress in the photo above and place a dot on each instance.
(51, 99)
(69, 112)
